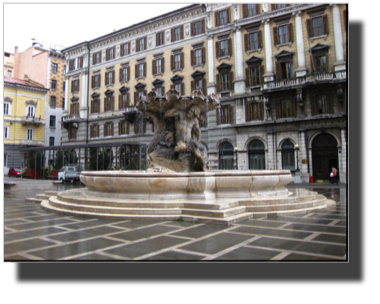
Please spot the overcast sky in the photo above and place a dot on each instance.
(64, 25)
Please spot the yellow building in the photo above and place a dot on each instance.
(24, 118)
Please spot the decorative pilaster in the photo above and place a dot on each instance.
(236, 11)
(239, 65)
(265, 7)
(269, 75)
(83, 109)
(65, 110)
(301, 70)
(210, 54)
(343, 157)
(340, 64)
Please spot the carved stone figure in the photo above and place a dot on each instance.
(177, 132)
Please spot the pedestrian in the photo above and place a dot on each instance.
(335, 175)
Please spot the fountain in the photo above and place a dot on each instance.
(177, 185)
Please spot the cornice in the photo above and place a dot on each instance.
(11, 85)
(216, 7)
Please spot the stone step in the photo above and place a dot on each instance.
(214, 213)
(43, 196)
(53, 201)
(289, 206)
(220, 221)
(258, 200)
(33, 200)
(51, 193)
(216, 205)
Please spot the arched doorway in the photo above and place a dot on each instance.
(288, 157)
(256, 155)
(226, 156)
(325, 156)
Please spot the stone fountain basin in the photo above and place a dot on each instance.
(210, 185)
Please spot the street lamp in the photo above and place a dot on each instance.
(297, 147)
(236, 155)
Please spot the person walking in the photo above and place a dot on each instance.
(335, 175)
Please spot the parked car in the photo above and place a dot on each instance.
(69, 173)
(15, 172)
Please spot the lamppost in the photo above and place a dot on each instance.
(236, 157)
(297, 147)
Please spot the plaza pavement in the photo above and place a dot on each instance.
(32, 233)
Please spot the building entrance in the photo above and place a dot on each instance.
(325, 156)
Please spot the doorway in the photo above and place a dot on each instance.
(325, 156)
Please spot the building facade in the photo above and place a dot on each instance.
(24, 119)
(279, 70)
(46, 67)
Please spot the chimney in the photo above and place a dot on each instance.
(16, 49)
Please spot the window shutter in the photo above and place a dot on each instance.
(144, 43)
(203, 55)
(313, 63)
(192, 57)
(218, 83)
(72, 86)
(217, 19)
(136, 97)
(217, 116)
(93, 59)
(182, 88)
(111, 128)
(257, 9)
(293, 109)
(290, 32)
(203, 26)
(217, 49)
(247, 112)
(325, 25)
(136, 71)
(278, 109)
(230, 46)
(246, 42)
(163, 91)
(274, 7)
(182, 60)
(120, 74)
(137, 45)
(105, 103)
(245, 10)
(144, 69)
(113, 76)
(260, 39)
(275, 35)
(181, 32)
(120, 101)
(172, 62)
(230, 115)
(261, 74)
(278, 71)
(261, 111)
(192, 85)
(105, 78)
(172, 87)
(228, 15)
(128, 73)
(121, 50)
(231, 80)
(153, 66)
(309, 26)
(92, 81)
(172, 34)
(248, 80)
(330, 105)
(91, 131)
(157, 39)
(107, 54)
(163, 65)
(119, 127)
(78, 85)
(112, 102)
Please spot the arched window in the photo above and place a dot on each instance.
(226, 156)
(288, 158)
(256, 154)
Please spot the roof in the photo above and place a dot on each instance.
(11, 80)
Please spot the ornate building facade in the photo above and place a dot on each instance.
(279, 70)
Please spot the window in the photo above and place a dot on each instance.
(283, 34)
(95, 105)
(286, 70)
(159, 38)
(142, 44)
(254, 111)
(254, 75)
(140, 69)
(74, 108)
(52, 121)
(80, 62)
(322, 105)
(72, 64)
(75, 86)
(286, 108)
(140, 126)
(72, 132)
(7, 108)
(199, 82)
(96, 58)
(251, 10)
(198, 57)
(52, 101)
(223, 17)
(29, 134)
(317, 26)
(124, 49)
(198, 28)
(55, 68)
(256, 154)
(54, 84)
(177, 33)
(124, 74)
(178, 87)
(159, 91)
(278, 6)
(124, 99)
(123, 127)
(321, 63)
(51, 141)
(30, 111)
(288, 157)
(177, 59)
(225, 81)
(109, 78)
(63, 103)
(108, 129)
(158, 66)
(140, 91)
(6, 132)
(94, 131)
(95, 81)
(110, 54)
(224, 115)
(223, 48)
(9, 73)
(109, 103)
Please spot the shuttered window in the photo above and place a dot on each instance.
(52, 101)
(109, 103)
(123, 127)
(108, 129)
(198, 27)
(322, 104)
(159, 38)
(75, 86)
(95, 106)
(223, 48)
(109, 78)
(284, 70)
(283, 34)
(124, 49)
(286, 108)
(74, 109)
(317, 26)
(223, 17)
(94, 131)
(254, 111)
(72, 132)
(224, 115)
(254, 75)
(124, 100)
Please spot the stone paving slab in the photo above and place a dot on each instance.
(32, 233)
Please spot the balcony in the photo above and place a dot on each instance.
(315, 78)
(130, 113)
(31, 120)
(34, 143)
(69, 118)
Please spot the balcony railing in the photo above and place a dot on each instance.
(27, 142)
(310, 78)
(71, 117)
(32, 120)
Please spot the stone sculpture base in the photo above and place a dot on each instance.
(224, 197)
